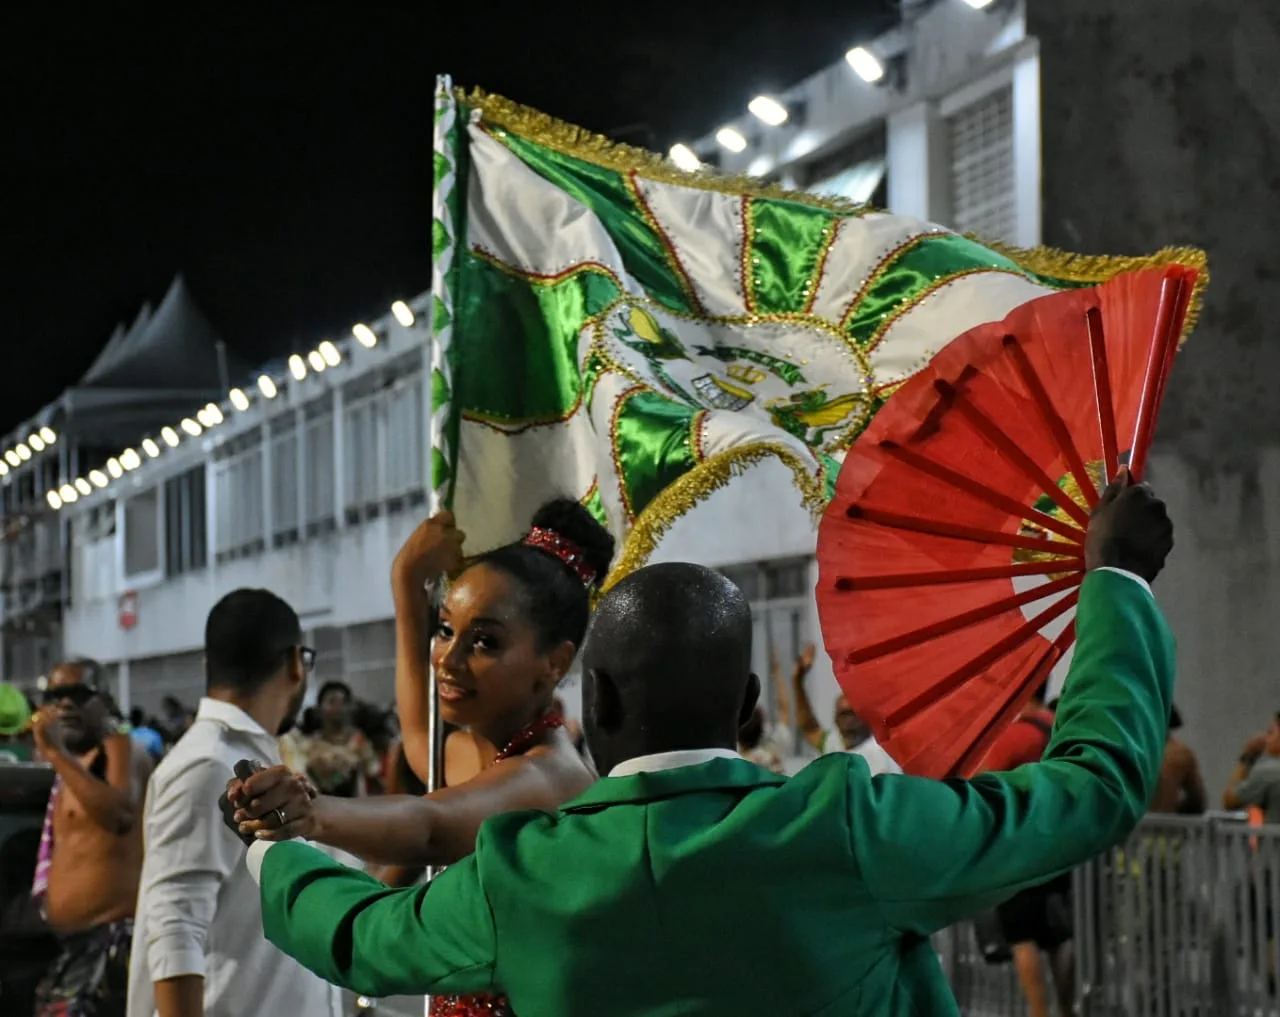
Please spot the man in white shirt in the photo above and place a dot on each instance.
(198, 944)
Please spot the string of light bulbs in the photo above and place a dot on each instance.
(239, 399)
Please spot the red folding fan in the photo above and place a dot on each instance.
(950, 556)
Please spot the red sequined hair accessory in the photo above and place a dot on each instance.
(564, 549)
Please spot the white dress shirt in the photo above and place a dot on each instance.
(198, 908)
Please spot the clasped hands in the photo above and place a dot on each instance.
(268, 803)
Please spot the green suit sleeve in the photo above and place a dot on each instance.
(353, 931)
(932, 852)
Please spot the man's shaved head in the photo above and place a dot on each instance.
(668, 664)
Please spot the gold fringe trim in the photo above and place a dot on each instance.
(598, 150)
(1098, 268)
(699, 484)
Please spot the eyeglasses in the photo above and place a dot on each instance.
(77, 694)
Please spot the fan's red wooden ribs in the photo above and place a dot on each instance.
(927, 697)
(981, 491)
(983, 424)
(1102, 394)
(1179, 318)
(1021, 693)
(1164, 343)
(957, 531)
(1052, 419)
(941, 577)
(958, 621)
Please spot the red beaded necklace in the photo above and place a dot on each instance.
(530, 733)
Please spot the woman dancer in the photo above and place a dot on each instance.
(508, 631)
(340, 759)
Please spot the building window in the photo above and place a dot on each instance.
(370, 661)
(855, 171)
(186, 530)
(980, 136)
(384, 432)
(360, 434)
(318, 460)
(142, 533)
(284, 480)
(238, 495)
(405, 433)
(781, 602)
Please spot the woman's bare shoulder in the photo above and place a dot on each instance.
(562, 765)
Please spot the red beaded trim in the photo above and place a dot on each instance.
(564, 549)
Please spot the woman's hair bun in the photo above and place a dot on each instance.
(573, 521)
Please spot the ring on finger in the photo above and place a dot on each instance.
(280, 816)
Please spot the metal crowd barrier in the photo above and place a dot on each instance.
(1177, 920)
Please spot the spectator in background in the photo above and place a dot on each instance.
(86, 879)
(15, 725)
(1039, 917)
(851, 733)
(145, 732)
(1025, 740)
(175, 719)
(341, 761)
(1180, 789)
(379, 728)
(1255, 781)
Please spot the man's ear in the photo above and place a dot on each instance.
(749, 700)
(603, 702)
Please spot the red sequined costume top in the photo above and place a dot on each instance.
(496, 1006)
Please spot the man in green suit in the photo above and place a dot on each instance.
(690, 881)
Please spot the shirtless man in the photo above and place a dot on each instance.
(1180, 789)
(91, 851)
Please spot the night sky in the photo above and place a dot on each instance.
(281, 161)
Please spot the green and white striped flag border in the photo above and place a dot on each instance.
(444, 239)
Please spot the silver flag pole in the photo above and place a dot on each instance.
(444, 218)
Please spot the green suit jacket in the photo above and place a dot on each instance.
(723, 889)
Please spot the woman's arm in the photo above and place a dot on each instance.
(400, 829)
(413, 676)
(432, 550)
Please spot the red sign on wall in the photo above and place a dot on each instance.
(128, 607)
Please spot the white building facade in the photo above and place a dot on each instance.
(310, 492)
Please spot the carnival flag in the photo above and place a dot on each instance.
(609, 328)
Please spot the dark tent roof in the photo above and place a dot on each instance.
(165, 366)
(118, 337)
(174, 348)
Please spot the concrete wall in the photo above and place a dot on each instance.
(1161, 124)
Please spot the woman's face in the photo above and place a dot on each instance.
(491, 671)
(334, 708)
